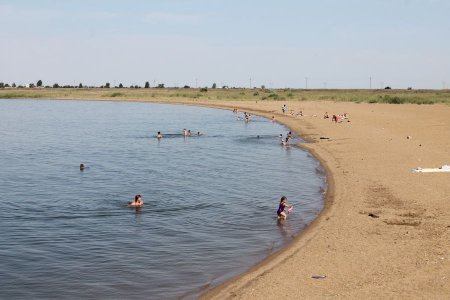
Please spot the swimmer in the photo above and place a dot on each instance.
(273, 118)
(185, 133)
(280, 212)
(289, 135)
(199, 133)
(189, 133)
(137, 201)
(159, 135)
(82, 167)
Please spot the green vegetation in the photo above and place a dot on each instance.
(161, 93)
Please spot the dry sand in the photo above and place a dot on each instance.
(405, 252)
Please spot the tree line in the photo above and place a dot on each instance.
(107, 85)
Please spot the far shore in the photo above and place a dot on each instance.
(385, 230)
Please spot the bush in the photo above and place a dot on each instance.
(393, 100)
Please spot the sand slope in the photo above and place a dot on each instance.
(405, 252)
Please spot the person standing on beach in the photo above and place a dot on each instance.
(284, 108)
(280, 212)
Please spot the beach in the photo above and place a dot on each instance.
(403, 249)
(385, 230)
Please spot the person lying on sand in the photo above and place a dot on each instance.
(137, 201)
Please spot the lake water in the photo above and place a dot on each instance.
(210, 201)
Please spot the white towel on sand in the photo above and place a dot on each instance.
(443, 169)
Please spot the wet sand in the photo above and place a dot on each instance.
(403, 250)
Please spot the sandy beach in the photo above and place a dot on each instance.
(403, 250)
(385, 230)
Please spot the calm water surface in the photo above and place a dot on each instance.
(210, 201)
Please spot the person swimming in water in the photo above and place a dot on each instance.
(82, 167)
(137, 201)
(159, 135)
(280, 212)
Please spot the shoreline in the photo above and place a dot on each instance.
(405, 250)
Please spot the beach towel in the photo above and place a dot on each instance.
(443, 169)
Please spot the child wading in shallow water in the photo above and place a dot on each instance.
(280, 212)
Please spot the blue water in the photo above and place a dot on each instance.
(210, 201)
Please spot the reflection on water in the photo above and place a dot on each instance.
(210, 200)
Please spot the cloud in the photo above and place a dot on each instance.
(97, 15)
(165, 17)
(11, 12)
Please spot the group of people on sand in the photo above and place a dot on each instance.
(340, 118)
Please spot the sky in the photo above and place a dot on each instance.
(242, 43)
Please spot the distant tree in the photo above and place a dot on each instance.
(80, 86)
(147, 84)
(55, 86)
(186, 87)
(14, 85)
(214, 85)
(205, 89)
(6, 85)
(387, 88)
(263, 87)
(120, 85)
(160, 85)
(31, 85)
(2, 85)
(107, 85)
(39, 83)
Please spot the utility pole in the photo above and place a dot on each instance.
(370, 82)
(196, 83)
(250, 83)
(306, 83)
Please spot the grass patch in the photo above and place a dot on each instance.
(419, 97)
(19, 95)
(113, 95)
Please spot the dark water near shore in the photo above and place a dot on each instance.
(210, 201)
